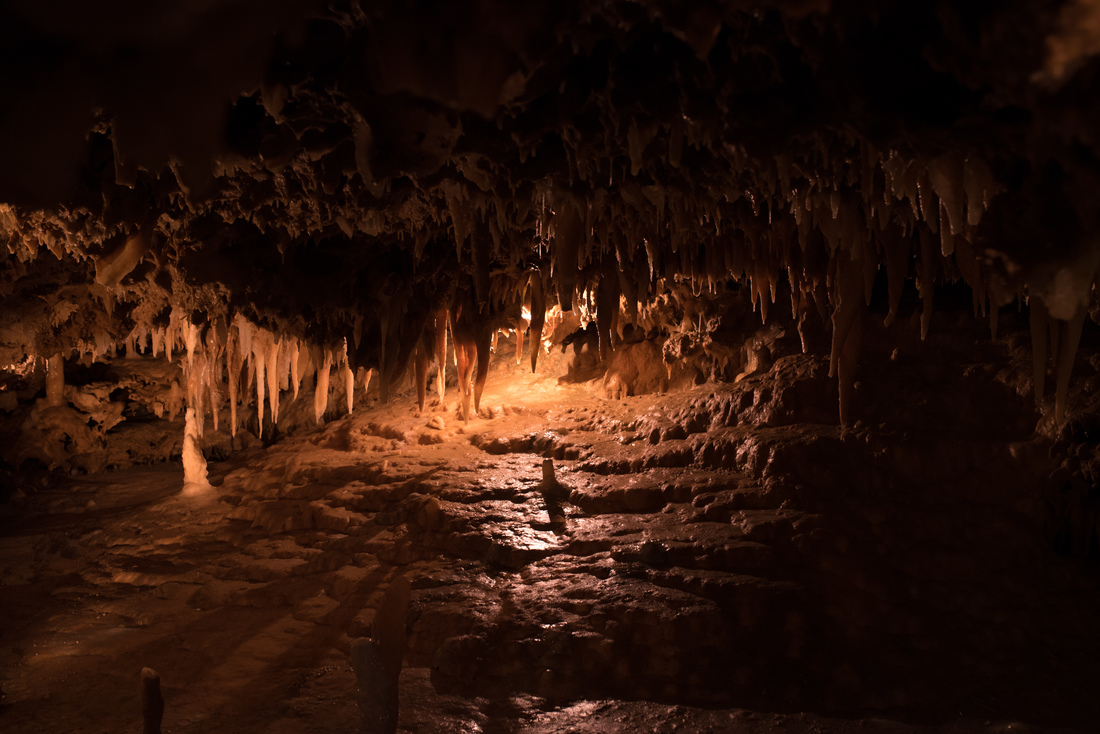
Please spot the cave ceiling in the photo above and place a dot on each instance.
(343, 170)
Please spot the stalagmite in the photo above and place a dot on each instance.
(320, 395)
(421, 359)
(55, 380)
(194, 463)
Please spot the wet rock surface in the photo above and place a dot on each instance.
(713, 559)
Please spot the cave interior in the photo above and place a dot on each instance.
(472, 366)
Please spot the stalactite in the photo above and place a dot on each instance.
(927, 278)
(190, 339)
(246, 333)
(898, 252)
(305, 366)
(55, 380)
(440, 320)
(293, 355)
(847, 331)
(480, 265)
(195, 370)
(947, 239)
(259, 362)
(233, 368)
(271, 365)
(320, 395)
(568, 236)
(349, 382)
(946, 176)
(421, 359)
(980, 186)
(481, 345)
(1070, 339)
(538, 317)
(929, 206)
(284, 359)
(1039, 320)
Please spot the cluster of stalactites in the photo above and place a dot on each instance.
(247, 365)
(829, 232)
(872, 207)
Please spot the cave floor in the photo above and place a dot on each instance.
(713, 560)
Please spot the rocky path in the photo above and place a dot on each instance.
(694, 563)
